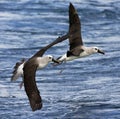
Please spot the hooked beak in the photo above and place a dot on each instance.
(101, 52)
(56, 61)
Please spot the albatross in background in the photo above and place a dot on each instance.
(27, 69)
(76, 49)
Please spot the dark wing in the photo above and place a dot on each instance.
(75, 38)
(30, 68)
(59, 39)
(30, 85)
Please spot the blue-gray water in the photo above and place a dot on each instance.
(88, 88)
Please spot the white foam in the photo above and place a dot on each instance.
(9, 16)
(3, 91)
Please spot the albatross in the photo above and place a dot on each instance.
(76, 47)
(27, 69)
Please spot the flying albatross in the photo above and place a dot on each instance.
(27, 69)
(76, 49)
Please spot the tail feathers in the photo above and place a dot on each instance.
(18, 70)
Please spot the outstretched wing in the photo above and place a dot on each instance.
(75, 38)
(30, 68)
(30, 85)
(59, 39)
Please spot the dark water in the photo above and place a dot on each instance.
(88, 88)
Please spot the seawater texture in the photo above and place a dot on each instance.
(88, 88)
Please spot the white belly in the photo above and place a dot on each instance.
(65, 58)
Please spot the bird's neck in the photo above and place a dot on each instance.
(88, 50)
(42, 63)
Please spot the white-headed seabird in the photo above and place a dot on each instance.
(76, 49)
(27, 69)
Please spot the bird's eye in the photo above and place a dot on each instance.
(96, 49)
(50, 57)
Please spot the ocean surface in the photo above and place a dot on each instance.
(87, 88)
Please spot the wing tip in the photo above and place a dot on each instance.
(73, 15)
(37, 107)
(35, 101)
(71, 7)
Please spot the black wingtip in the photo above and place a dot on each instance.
(71, 4)
(73, 15)
(37, 107)
(71, 7)
(35, 101)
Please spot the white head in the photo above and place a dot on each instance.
(50, 58)
(96, 50)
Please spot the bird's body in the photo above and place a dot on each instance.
(41, 61)
(27, 69)
(31, 66)
(76, 47)
(85, 51)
